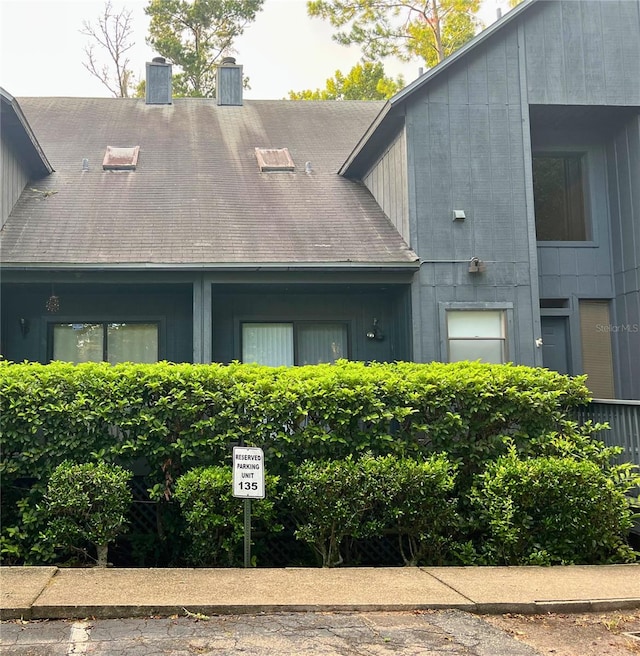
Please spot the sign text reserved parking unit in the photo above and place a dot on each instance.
(248, 472)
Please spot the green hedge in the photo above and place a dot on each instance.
(359, 498)
(548, 511)
(215, 518)
(170, 418)
(180, 416)
(87, 504)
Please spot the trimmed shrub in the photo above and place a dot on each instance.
(87, 503)
(333, 500)
(547, 511)
(215, 518)
(419, 502)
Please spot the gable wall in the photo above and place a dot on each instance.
(465, 136)
(583, 53)
(387, 181)
(13, 176)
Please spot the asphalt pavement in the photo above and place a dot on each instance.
(377, 633)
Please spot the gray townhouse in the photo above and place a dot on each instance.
(490, 210)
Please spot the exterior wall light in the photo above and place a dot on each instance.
(459, 215)
(374, 331)
(476, 265)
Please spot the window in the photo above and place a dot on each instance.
(597, 354)
(559, 197)
(476, 335)
(286, 344)
(110, 342)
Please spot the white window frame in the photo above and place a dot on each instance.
(505, 307)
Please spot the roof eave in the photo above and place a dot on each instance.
(411, 265)
(37, 156)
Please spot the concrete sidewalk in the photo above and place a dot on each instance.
(53, 593)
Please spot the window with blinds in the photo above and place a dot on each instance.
(476, 335)
(294, 343)
(597, 354)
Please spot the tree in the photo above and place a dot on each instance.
(431, 29)
(88, 503)
(113, 34)
(365, 81)
(194, 35)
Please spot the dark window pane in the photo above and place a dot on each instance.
(558, 194)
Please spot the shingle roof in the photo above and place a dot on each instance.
(197, 196)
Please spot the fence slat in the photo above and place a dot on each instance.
(623, 418)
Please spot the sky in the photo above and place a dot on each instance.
(42, 49)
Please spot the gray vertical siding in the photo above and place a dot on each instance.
(14, 178)
(623, 159)
(587, 53)
(465, 147)
(583, 53)
(387, 181)
(469, 147)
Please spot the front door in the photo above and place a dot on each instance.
(555, 344)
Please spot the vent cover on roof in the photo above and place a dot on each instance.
(120, 159)
(274, 159)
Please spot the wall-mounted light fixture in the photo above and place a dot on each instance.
(459, 215)
(374, 331)
(25, 325)
(476, 265)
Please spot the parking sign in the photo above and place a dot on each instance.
(248, 472)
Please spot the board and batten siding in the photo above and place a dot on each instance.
(387, 182)
(465, 136)
(583, 53)
(623, 157)
(14, 178)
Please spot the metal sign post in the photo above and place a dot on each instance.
(248, 483)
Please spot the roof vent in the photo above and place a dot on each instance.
(158, 84)
(229, 82)
(274, 159)
(120, 159)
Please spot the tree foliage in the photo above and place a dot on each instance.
(215, 518)
(112, 33)
(430, 30)
(365, 81)
(195, 35)
(88, 503)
